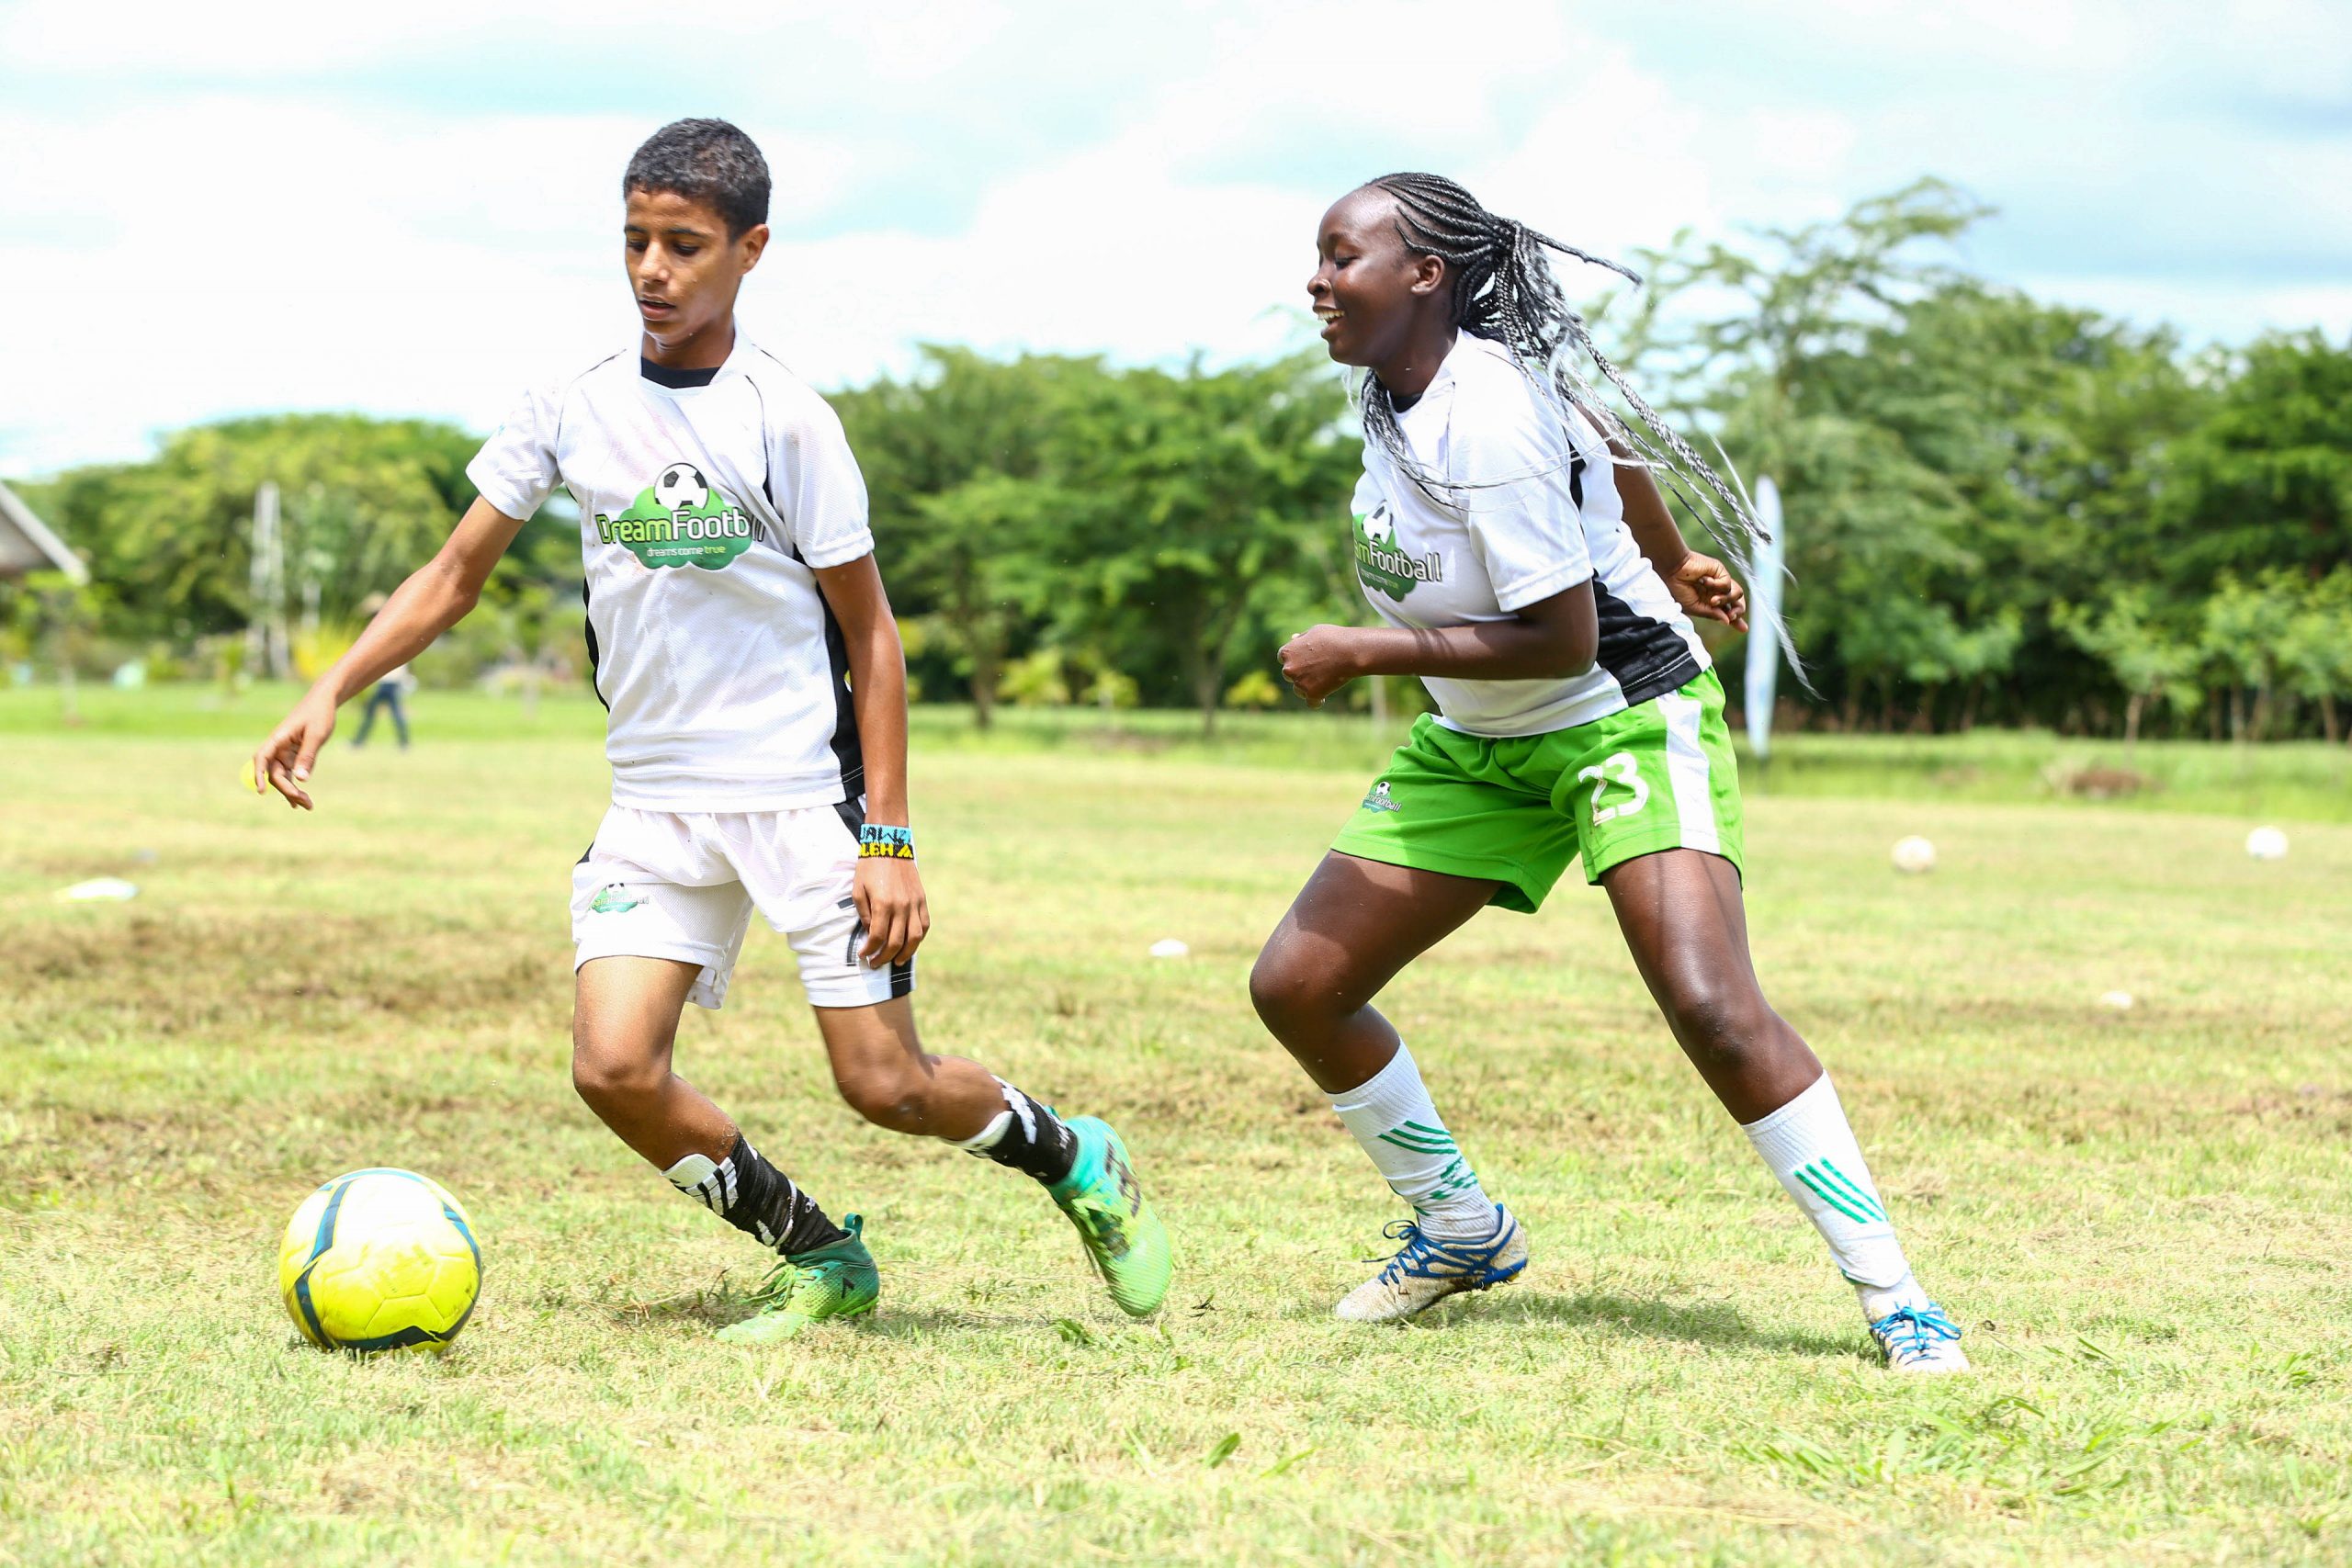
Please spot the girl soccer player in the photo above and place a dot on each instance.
(1524, 564)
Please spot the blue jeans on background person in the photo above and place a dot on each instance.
(387, 694)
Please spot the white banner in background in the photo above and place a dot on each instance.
(1763, 620)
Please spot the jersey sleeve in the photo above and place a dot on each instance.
(820, 491)
(1517, 491)
(515, 469)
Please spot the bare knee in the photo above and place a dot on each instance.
(1723, 1029)
(1292, 999)
(897, 1095)
(609, 1074)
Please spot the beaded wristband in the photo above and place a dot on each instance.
(877, 840)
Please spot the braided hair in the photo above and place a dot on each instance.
(1503, 289)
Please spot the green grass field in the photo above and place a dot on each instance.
(2142, 1217)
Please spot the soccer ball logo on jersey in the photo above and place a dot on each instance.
(1381, 566)
(680, 520)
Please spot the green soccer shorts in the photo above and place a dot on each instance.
(1517, 809)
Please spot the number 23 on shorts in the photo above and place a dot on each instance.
(1617, 769)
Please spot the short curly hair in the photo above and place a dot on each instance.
(707, 161)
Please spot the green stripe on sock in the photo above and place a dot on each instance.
(1835, 1199)
(1418, 1145)
(1860, 1196)
(1448, 1186)
(1433, 1132)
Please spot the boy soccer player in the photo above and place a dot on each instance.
(740, 637)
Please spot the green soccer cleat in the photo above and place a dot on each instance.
(837, 1280)
(1123, 1236)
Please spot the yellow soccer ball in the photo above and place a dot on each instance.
(379, 1260)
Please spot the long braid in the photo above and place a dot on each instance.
(1504, 289)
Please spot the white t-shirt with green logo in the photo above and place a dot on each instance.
(702, 512)
(1537, 512)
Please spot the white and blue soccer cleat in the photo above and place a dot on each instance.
(1429, 1269)
(1919, 1340)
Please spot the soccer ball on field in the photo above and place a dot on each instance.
(681, 487)
(379, 1260)
(2267, 843)
(1913, 855)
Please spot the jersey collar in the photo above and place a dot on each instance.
(737, 358)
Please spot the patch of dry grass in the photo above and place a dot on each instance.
(2143, 1217)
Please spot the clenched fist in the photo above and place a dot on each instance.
(1319, 661)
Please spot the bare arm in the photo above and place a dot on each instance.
(436, 597)
(1550, 638)
(889, 892)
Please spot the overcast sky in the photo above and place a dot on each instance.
(235, 208)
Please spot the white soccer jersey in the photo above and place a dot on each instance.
(1537, 512)
(703, 508)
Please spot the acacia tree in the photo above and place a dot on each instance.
(2150, 660)
(2315, 647)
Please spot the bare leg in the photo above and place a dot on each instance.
(623, 1025)
(889, 1078)
(1352, 927)
(1682, 919)
(623, 1034)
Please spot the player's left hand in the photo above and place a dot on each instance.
(1319, 661)
(1704, 587)
(891, 904)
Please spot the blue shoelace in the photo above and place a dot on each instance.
(1417, 1258)
(1911, 1332)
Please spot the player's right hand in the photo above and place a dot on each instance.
(285, 758)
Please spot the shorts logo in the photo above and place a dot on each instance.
(681, 519)
(614, 898)
(1378, 799)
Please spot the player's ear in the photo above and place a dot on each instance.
(1428, 273)
(754, 241)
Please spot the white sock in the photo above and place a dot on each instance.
(1811, 1148)
(1391, 1115)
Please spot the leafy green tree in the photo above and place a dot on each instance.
(2315, 645)
(2148, 659)
(955, 464)
(2240, 642)
(365, 502)
(2265, 479)
(1194, 494)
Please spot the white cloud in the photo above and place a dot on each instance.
(264, 206)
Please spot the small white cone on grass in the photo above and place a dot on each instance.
(2120, 1001)
(1169, 947)
(97, 888)
(1913, 855)
(2267, 843)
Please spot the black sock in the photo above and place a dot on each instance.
(755, 1197)
(1027, 1136)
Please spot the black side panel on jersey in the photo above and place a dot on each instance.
(588, 628)
(1648, 657)
(846, 751)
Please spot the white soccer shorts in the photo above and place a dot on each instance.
(683, 885)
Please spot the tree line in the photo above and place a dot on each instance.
(1999, 510)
